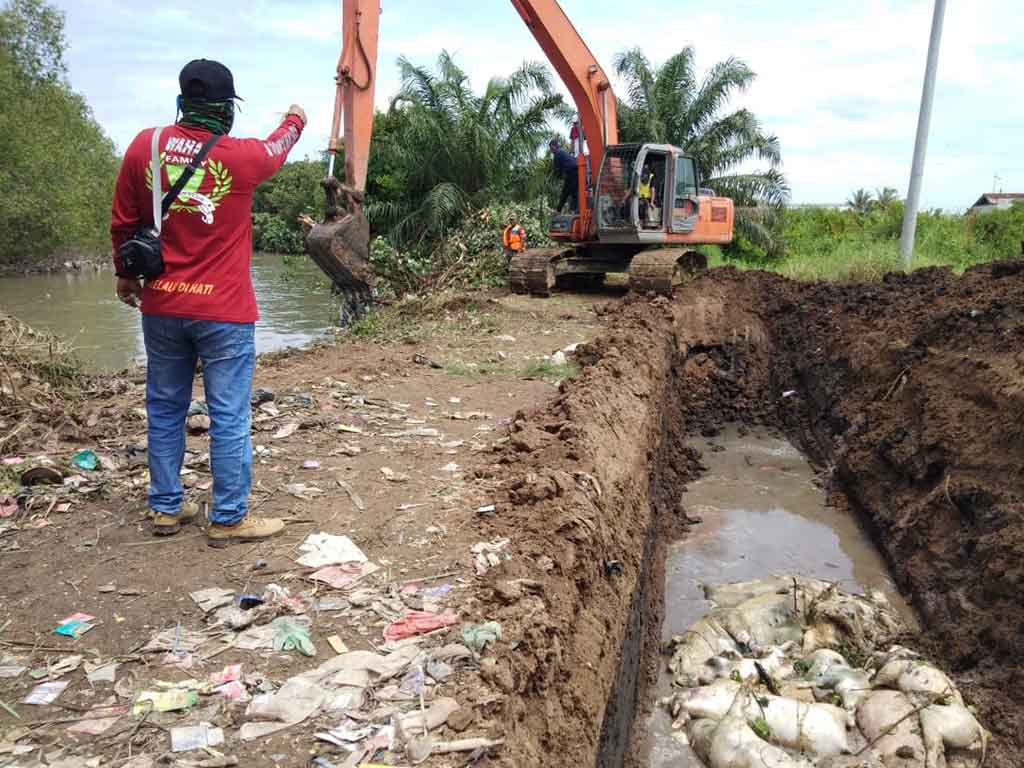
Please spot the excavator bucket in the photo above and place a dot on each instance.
(340, 246)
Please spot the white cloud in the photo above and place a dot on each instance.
(838, 83)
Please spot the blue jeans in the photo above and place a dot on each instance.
(228, 353)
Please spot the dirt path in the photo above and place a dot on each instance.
(358, 409)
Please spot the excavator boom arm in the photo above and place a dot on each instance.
(551, 28)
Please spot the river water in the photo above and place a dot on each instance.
(763, 515)
(81, 306)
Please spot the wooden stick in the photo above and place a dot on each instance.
(465, 745)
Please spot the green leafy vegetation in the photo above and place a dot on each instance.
(833, 244)
(57, 167)
(549, 371)
(672, 104)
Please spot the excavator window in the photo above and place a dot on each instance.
(616, 193)
(686, 180)
(652, 174)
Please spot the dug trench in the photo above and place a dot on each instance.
(907, 395)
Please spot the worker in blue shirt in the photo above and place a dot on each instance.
(565, 166)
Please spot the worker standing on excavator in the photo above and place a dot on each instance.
(565, 166)
(181, 221)
(513, 239)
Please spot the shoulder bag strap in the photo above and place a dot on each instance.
(155, 172)
(186, 174)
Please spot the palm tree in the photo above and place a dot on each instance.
(669, 104)
(861, 202)
(458, 150)
(886, 196)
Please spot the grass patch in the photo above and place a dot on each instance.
(548, 371)
(416, 318)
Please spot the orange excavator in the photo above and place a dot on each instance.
(641, 206)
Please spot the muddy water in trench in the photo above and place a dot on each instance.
(108, 336)
(763, 514)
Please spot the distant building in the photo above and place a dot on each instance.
(994, 201)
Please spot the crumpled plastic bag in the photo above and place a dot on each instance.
(289, 636)
(478, 636)
(418, 623)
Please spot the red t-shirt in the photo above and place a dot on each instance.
(206, 238)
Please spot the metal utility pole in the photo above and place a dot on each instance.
(921, 144)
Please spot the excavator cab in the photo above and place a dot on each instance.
(646, 193)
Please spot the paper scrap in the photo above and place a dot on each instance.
(45, 693)
(337, 644)
(75, 625)
(344, 576)
(323, 549)
(189, 737)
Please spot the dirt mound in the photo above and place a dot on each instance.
(908, 392)
(913, 391)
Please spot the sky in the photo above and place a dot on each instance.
(839, 83)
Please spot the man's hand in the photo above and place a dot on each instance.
(129, 290)
(299, 112)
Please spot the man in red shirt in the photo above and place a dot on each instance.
(202, 307)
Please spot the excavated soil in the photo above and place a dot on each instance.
(908, 395)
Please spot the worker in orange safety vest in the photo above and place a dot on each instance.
(513, 239)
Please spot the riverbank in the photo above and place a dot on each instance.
(482, 489)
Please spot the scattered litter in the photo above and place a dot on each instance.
(478, 636)
(439, 671)
(229, 674)
(311, 464)
(303, 491)
(296, 700)
(164, 701)
(450, 467)
(189, 737)
(212, 598)
(350, 429)
(99, 719)
(45, 693)
(344, 576)
(292, 636)
(11, 670)
(337, 644)
(8, 506)
(286, 431)
(75, 625)
(506, 338)
(64, 666)
(418, 623)
(175, 639)
(261, 396)
(323, 549)
(86, 460)
(198, 408)
(394, 477)
(356, 500)
(41, 476)
(332, 604)
(347, 733)
(789, 393)
(486, 509)
(558, 358)
(424, 360)
(101, 673)
(486, 554)
(248, 602)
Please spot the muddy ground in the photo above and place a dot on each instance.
(907, 394)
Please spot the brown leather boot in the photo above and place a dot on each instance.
(248, 529)
(166, 525)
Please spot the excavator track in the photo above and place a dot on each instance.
(533, 271)
(659, 270)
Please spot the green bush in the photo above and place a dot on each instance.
(272, 234)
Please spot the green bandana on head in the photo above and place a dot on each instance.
(215, 116)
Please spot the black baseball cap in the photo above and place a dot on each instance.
(207, 79)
